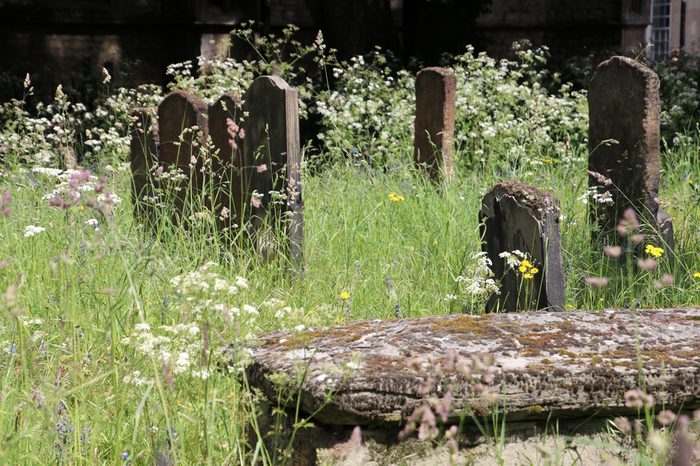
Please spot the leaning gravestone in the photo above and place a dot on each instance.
(144, 151)
(519, 219)
(435, 121)
(183, 131)
(272, 164)
(227, 164)
(623, 143)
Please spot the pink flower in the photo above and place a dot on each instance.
(356, 437)
(647, 264)
(638, 399)
(665, 417)
(4, 203)
(261, 168)
(255, 202)
(597, 281)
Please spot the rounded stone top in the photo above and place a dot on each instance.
(534, 200)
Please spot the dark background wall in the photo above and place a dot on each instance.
(69, 41)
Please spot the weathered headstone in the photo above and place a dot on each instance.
(435, 120)
(572, 363)
(227, 164)
(183, 130)
(623, 143)
(516, 218)
(272, 162)
(144, 151)
(546, 366)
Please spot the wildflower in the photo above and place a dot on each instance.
(344, 295)
(107, 77)
(319, 44)
(356, 436)
(665, 417)
(32, 230)
(653, 250)
(658, 442)
(27, 81)
(638, 399)
(612, 251)
(647, 264)
(597, 281)
(262, 168)
(696, 275)
(666, 280)
(393, 197)
(629, 224)
(623, 424)
(527, 268)
(256, 199)
(4, 203)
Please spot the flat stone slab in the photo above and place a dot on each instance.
(572, 364)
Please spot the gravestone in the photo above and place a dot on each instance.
(272, 164)
(623, 144)
(540, 368)
(143, 151)
(224, 129)
(435, 121)
(517, 217)
(183, 131)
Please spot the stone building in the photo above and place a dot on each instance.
(71, 40)
(675, 24)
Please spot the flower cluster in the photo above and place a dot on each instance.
(393, 197)
(210, 315)
(177, 349)
(78, 188)
(480, 282)
(521, 263)
(654, 251)
(452, 374)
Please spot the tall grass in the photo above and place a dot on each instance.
(105, 359)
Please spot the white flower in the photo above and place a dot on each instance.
(248, 309)
(93, 222)
(241, 282)
(32, 230)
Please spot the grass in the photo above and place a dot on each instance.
(63, 392)
(83, 381)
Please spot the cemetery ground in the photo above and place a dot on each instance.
(124, 344)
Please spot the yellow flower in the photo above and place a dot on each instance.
(696, 275)
(653, 250)
(393, 197)
(522, 269)
(527, 276)
(526, 263)
(534, 270)
(344, 295)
